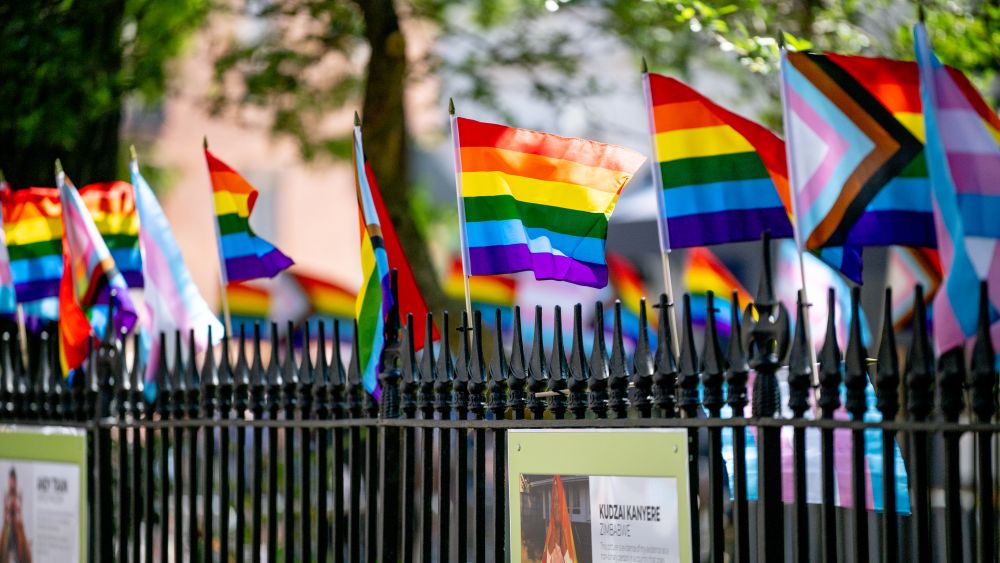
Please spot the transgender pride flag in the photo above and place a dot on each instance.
(963, 160)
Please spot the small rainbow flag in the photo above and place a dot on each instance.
(704, 272)
(8, 301)
(537, 202)
(245, 256)
(326, 298)
(724, 178)
(89, 276)
(489, 291)
(248, 303)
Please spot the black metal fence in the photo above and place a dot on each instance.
(279, 455)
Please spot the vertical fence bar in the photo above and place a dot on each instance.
(518, 369)
(856, 379)
(372, 472)
(109, 357)
(499, 374)
(800, 372)
(477, 406)
(225, 398)
(443, 387)
(289, 390)
(599, 369)
(712, 369)
(408, 408)
(274, 388)
(241, 402)
(687, 381)
(164, 404)
(179, 397)
(619, 368)
(209, 390)
(984, 405)
(257, 403)
(769, 344)
(829, 402)
(305, 389)
(737, 375)
(321, 395)
(919, 377)
(146, 414)
(579, 368)
(643, 368)
(390, 375)
(538, 370)
(558, 370)
(193, 406)
(427, 380)
(460, 405)
(355, 405)
(123, 396)
(887, 385)
(339, 407)
(951, 377)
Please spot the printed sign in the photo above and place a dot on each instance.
(42, 490)
(598, 495)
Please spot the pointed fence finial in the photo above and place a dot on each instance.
(919, 373)
(357, 119)
(645, 67)
(451, 106)
(558, 369)
(738, 371)
(132, 152)
(921, 12)
(781, 39)
(713, 363)
(665, 376)
(829, 361)
(765, 289)
(689, 372)
(800, 367)
(856, 361)
(887, 374)
(984, 374)
(204, 142)
(59, 167)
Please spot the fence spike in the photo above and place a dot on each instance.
(643, 367)
(538, 369)
(499, 373)
(427, 373)
(983, 378)
(411, 374)
(164, 383)
(6, 377)
(337, 386)
(179, 395)
(289, 374)
(800, 368)
(713, 363)
(600, 371)
(855, 362)
(321, 374)
(225, 390)
(443, 386)
(477, 369)
(355, 401)
(558, 369)
(307, 370)
(209, 370)
(829, 361)
(688, 375)
(38, 388)
(388, 366)
(739, 366)
(579, 370)
(665, 377)
(765, 288)
(887, 374)
(257, 376)
(59, 393)
(619, 367)
(951, 382)
(518, 369)
(460, 397)
(193, 378)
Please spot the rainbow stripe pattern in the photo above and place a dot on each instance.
(537, 202)
(113, 209)
(704, 272)
(488, 291)
(375, 297)
(964, 163)
(90, 274)
(245, 255)
(8, 301)
(724, 178)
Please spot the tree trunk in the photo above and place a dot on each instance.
(384, 128)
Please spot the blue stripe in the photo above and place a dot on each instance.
(903, 194)
(236, 245)
(32, 269)
(127, 259)
(721, 196)
(975, 209)
(539, 241)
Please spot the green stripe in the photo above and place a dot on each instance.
(371, 308)
(917, 168)
(555, 219)
(35, 250)
(232, 223)
(121, 241)
(712, 169)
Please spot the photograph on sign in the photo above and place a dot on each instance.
(626, 504)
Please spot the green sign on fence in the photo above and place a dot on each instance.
(42, 487)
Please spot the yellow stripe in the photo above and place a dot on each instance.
(367, 271)
(29, 231)
(229, 202)
(116, 223)
(992, 130)
(530, 190)
(914, 123)
(703, 141)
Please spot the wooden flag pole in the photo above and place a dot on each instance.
(661, 217)
(223, 276)
(22, 334)
(795, 208)
(461, 209)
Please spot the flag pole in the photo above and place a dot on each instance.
(661, 216)
(22, 334)
(795, 206)
(223, 276)
(461, 207)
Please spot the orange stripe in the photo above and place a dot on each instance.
(588, 153)
(482, 159)
(684, 115)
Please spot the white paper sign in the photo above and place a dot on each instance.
(634, 519)
(41, 511)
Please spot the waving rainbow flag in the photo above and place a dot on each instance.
(8, 302)
(89, 276)
(704, 272)
(245, 256)
(537, 202)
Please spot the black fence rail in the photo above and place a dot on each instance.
(260, 452)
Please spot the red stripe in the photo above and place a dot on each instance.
(590, 153)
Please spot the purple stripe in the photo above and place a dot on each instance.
(905, 228)
(975, 173)
(706, 229)
(133, 278)
(244, 268)
(489, 260)
(35, 290)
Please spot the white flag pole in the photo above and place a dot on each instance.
(661, 217)
(223, 275)
(461, 208)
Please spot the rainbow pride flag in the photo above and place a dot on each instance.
(326, 298)
(908, 267)
(112, 207)
(248, 303)
(537, 202)
(704, 272)
(245, 256)
(89, 276)
(375, 296)
(488, 291)
(964, 164)
(724, 178)
(8, 301)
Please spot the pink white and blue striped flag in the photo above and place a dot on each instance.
(963, 161)
(173, 302)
